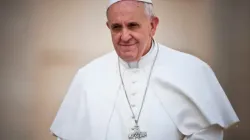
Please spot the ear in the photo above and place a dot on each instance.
(107, 24)
(154, 24)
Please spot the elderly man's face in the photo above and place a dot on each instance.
(131, 29)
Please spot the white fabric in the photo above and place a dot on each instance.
(114, 1)
(184, 97)
(213, 132)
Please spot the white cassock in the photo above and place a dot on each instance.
(184, 100)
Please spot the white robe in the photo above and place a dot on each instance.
(184, 98)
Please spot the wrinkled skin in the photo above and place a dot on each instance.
(131, 29)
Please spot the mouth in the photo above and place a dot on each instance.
(127, 45)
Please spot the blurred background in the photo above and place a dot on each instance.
(44, 42)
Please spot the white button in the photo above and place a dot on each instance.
(135, 71)
(134, 81)
(133, 94)
(133, 105)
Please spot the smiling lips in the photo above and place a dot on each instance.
(127, 45)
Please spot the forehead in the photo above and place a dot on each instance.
(125, 11)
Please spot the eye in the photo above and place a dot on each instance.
(133, 25)
(116, 27)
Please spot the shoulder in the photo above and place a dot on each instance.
(101, 63)
(99, 68)
(178, 60)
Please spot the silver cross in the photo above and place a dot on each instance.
(136, 134)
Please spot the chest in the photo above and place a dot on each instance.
(111, 115)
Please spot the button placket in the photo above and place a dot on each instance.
(132, 92)
(139, 89)
(135, 81)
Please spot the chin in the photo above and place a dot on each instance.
(128, 58)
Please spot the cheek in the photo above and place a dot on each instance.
(115, 38)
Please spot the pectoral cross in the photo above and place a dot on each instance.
(136, 134)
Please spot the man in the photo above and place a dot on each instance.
(143, 90)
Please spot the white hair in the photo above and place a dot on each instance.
(149, 10)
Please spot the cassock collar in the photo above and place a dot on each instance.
(145, 61)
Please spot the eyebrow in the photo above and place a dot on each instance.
(128, 24)
(133, 23)
(115, 24)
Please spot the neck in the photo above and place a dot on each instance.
(148, 48)
(146, 51)
(144, 60)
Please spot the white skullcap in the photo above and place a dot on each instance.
(114, 1)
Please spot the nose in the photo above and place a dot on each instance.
(125, 35)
